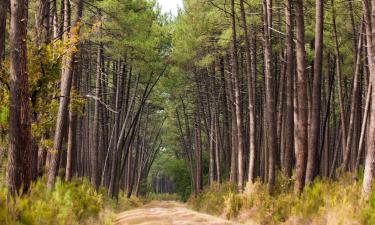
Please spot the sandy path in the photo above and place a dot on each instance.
(167, 213)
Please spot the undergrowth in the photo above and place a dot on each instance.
(68, 203)
(325, 202)
(161, 197)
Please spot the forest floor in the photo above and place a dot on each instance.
(167, 213)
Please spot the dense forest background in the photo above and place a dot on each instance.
(265, 99)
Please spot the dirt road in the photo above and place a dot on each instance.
(167, 213)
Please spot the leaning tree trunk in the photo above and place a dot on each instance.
(72, 133)
(66, 81)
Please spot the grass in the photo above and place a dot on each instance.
(69, 203)
(325, 202)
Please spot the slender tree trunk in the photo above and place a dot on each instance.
(198, 153)
(313, 142)
(66, 81)
(237, 98)
(354, 105)
(270, 101)
(4, 5)
(289, 122)
(363, 127)
(339, 79)
(301, 106)
(95, 180)
(250, 69)
(72, 133)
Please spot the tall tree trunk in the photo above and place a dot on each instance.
(42, 28)
(301, 97)
(313, 141)
(250, 71)
(4, 5)
(198, 153)
(66, 81)
(95, 149)
(270, 101)
(339, 78)
(370, 157)
(19, 162)
(354, 105)
(237, 98)
(72, 133)
(289, 122)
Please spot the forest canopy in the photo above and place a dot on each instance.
(261, 102)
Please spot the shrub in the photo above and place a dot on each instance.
(211, 199)
(324, 202)
(68, 203)
(232, 205)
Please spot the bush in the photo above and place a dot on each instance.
(211, 199)
(68, 203)
(324, 202)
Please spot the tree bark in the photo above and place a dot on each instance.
(237, 98)
(66, 81)
(250, 71)
(370, 157)
(313, 142)
(4, 5)
(270, 101)
(95, 149)
(19, 162)
(289, 122)
(301, 97)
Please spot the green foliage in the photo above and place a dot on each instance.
(67, 203)
(233, 204)
(175, 169)
(4, 113)
(162, 197)
(211, 199)
(325, 202)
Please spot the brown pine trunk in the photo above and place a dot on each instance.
(270, 101)
(237, 99)
(19, 162)
(354, 105)
(66, 81)
(198, 153)
(301, 97)
(212, 149)
(72, 133)
(370, 157)
(4, 5)
(42, 28)
(95, 148)
(289, 121)
(363, 128)
(250, 71)
(313, 141)
(339, 79)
